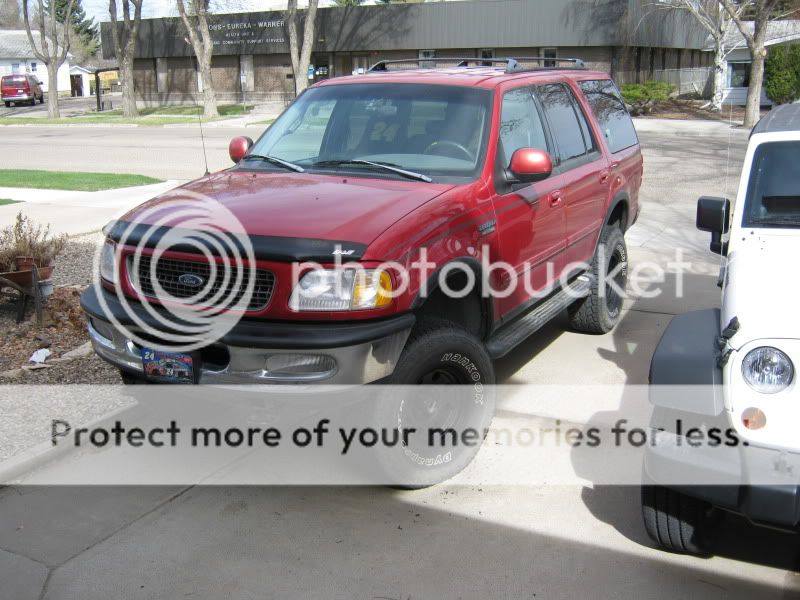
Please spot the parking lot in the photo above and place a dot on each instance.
(448, 541)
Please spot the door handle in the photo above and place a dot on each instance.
(604, 176)
(556, 198)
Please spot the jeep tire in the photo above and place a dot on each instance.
(677, 522)
(600, 311)
(437, 353)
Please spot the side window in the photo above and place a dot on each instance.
(520, 125)
(566, 121)
(609, 110)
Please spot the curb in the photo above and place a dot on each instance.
(27, 461)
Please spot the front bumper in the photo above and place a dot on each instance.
(760, 483)
(352, 353)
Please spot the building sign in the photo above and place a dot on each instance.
(246, 31)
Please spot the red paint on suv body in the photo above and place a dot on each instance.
(557, 220)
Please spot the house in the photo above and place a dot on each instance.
(17, 57)
(738, 59)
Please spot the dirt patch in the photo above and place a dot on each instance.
(64, 328)
(678, 109)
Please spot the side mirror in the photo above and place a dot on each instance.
(238, 147)
(530, 164)
(714, 215)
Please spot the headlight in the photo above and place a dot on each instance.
(342, 289)
(108, 262)
(767, 370)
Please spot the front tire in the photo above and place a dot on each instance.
(601, 310)
(677, 522)
(438, 353)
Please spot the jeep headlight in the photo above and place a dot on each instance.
(767, 370)
(108, 262)
(342, 289)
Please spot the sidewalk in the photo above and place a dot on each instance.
(74, 213)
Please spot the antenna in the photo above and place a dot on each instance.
(202, 139)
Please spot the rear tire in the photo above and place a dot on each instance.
(601, 310)
(8, 104)
(437, 353)
(677, 522)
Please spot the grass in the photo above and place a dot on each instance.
(153, 117)
(4, 201)
(60, 180)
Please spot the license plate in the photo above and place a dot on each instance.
(20, 92)
(172, 367)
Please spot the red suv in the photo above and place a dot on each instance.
(21, 88)
(448, 213)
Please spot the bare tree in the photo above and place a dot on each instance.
(195, 20)
(53, 45)
(762, 12)
(10, 17)
(124, 34)
(301, 56)
(716, 20)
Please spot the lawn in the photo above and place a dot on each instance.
(4, 201)
(152, 117)
(60, 180)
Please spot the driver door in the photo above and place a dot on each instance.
(531, 221)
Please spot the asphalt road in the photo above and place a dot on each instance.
(449, 541)
(166, 153)
(67, 106)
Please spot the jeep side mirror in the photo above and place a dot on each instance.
(530, 164)
(714, 215)
(238, 147)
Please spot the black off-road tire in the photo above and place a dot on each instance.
(437, 353)
(600, 311)
(8, 104)
(677, 522)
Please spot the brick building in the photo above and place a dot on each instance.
(631, 39)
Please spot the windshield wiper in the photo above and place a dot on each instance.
(276, 161)
(377, 165)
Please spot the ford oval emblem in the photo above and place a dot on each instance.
(191, 280)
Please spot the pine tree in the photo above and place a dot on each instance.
(780, 80)
(84, 28)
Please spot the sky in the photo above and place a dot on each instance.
(166, 8)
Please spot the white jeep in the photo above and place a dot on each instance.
(733, 369)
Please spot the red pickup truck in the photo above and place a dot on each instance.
(450, 213)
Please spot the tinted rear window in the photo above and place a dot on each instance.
(565, 123)
(773, 193)
(609, 110)
(13, 80)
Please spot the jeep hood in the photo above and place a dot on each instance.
(298, 205)
(761, 288)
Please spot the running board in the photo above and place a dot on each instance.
(509, 336)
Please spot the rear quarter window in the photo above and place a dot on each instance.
(609, 110)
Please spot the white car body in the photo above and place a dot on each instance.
(760, 290)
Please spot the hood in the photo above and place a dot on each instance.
(298, 205)
(761, 288)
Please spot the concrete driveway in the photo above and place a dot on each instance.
(449, 541)
(67, 106)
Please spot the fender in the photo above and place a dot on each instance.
(487, 306)
(621, 197)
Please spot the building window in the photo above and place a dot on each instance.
(486, 53)
(739, 75)
(33, 67)
(550, 53)
(15, 68)
(427, 64)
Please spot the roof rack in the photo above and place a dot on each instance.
(512, 64)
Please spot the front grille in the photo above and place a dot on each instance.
(168, 271)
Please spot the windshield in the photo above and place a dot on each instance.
(436, 130)
(773, 194)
